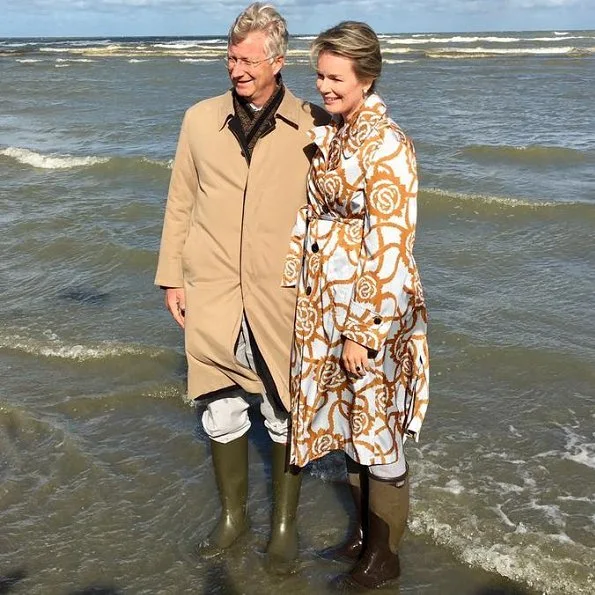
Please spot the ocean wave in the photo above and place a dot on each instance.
(455, 39)
(183, 45)
(29, 60)
(490, 200)
(523, 556)
(444, 48)
(477, 39)
(52, 347)
(446, 201)
(197, 60)
(517, 526)
(490, 538)
(52, 161)
(528, 154)
(483, 52)
(74, 60)
(577, 448)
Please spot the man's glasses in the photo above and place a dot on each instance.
(231, 62)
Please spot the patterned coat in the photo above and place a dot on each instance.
(351, 258)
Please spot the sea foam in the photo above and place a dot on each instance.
(51, 161)
(51, 346)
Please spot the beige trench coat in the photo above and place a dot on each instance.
(225, 238)
(352, 258)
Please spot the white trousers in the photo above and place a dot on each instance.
(389, 471)
(225, 417)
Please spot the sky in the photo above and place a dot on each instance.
(110, 18)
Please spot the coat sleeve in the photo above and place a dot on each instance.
(384, 286)
(183, 187)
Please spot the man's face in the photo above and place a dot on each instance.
(254, 71)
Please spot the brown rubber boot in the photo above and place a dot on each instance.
(379, 565)
(351, 549)
(230, 462)
(282, 549)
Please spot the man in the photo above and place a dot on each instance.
(238, 179)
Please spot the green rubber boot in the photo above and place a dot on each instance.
(230, 462)
(379, 565)
(351, 548)
(282, 549)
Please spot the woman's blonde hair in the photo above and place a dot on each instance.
(265, 18)
(356, 41)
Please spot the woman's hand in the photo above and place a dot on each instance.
(355, 358)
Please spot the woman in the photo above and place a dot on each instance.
(360, 360)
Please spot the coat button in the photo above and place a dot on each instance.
(314, 247)
(377, 320)
(308, 290)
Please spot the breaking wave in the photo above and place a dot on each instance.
(57, 161)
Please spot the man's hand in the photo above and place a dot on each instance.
(355, 358)
(175, 302)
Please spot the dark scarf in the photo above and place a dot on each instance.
(249, 125)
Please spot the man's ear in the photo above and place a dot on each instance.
(278, 64)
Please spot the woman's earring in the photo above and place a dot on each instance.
(364, 93)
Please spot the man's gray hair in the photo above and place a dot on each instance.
(261, 17)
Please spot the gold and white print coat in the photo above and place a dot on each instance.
(351, 256)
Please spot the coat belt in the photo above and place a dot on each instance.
(306, 218)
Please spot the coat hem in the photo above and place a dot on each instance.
(350, 452)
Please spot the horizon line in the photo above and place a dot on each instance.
(224, 35)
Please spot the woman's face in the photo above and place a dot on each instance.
(341, 90)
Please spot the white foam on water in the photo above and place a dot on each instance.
(54, 347)
(388, 61)
(455, 39)
(61, 65)
(398, 50)
(136, 60)
(509, 488)
(182, 45)
(172, 45)
(453, 486)
(503, 516)
(51, 161)
(578, 448)
(586, 499)
(29, 60)
(168, 163)
(552, 512)
(519, 555)
(69, 60)
(504, 200)
(560, 32)
(193, 60)
(483, 51)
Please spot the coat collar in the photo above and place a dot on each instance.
(351, 136)
(288, 110)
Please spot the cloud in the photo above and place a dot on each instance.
(301, 5)
(191, 17)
